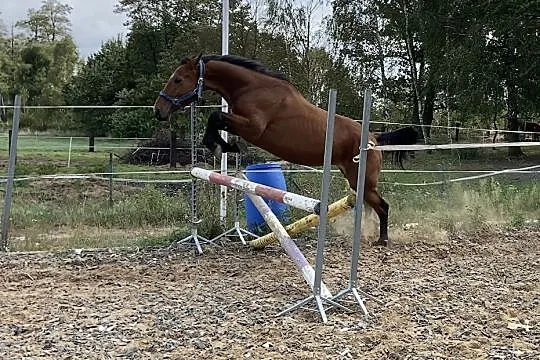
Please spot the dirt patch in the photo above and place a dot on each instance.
(467, 297)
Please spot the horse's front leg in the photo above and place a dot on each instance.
(212, 139)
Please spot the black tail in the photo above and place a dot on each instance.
(404, 136)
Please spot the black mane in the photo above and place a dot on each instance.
(246, 63)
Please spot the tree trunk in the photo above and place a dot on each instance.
(512, 120)
(429, 105)
(417, 108)
(381, 56)
(429, 101)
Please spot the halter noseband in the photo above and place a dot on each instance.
(193, 95)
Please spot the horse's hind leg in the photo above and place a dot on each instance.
(371, 195)
(381, 207)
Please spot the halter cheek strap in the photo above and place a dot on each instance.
(190, 96)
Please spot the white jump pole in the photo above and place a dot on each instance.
(285, 197)
(288, 244)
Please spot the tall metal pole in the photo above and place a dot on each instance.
(318, 293)
(352, 288)
(11, 174)
(357, 236)
(225, 108)
(325, 189)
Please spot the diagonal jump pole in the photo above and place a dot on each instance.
(357, 236)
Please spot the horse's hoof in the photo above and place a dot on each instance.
(382, 242)
(218, 152)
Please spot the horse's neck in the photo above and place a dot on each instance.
(227, 79)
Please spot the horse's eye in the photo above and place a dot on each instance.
(177, 80)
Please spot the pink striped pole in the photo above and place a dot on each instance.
(288, 244)
(285, 197)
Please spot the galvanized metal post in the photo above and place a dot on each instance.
(357, 236)
(8, 198)
(323, 219)
(325, 189)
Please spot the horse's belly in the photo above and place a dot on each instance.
(295, 151)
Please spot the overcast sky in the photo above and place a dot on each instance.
(93, 21)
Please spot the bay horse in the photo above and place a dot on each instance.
(532, 128)
(267, 111)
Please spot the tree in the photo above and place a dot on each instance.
(470, 58)
(57, 14)
(98, 82)
(35, 24)
(5, 62)
(49, 23)
(294, 21)
(494, 46)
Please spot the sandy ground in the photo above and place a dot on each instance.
(463, 297)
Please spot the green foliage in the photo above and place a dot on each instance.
(148, 207)
(131, 123)
(48, 23)
(97, 83)
(430, 62)
(38, 63)
(469, 59)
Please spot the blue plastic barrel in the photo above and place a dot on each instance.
(269, 174)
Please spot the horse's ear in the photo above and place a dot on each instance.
(198, 58)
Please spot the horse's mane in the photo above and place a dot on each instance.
(245, 63)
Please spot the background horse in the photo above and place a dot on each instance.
(534, 128)
(267, 111)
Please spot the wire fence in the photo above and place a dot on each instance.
(289, 168)
(133, 144)
(150, 107)
(175, 179)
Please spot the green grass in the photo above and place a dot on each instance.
(64, 214)
(45, 156)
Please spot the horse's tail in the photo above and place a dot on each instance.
(404, 136)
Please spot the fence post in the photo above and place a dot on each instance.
(110, 179)
(91, 142)
(10, 134)
(457, 131)
(69, 154)
(172, 152)
(11, 175)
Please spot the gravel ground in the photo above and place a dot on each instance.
(465, 297)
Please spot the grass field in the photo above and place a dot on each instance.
(58, 214)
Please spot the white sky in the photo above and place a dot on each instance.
(92, 21)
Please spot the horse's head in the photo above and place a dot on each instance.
(183, 87)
